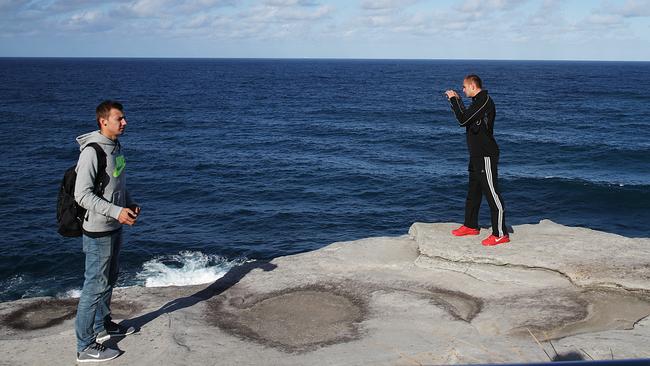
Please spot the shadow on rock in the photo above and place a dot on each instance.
(224, 283)
(569, 356)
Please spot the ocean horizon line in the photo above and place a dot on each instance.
(315, 59)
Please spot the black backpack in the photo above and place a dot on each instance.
(69, 214)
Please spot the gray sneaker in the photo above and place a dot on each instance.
(97, 353)
(112, 330)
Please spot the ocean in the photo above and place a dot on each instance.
(248, 159)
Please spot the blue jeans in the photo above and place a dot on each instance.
(100, 278)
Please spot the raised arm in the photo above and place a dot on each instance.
(465, 115)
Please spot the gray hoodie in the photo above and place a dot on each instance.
(102, 211)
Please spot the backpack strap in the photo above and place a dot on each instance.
(100, 179)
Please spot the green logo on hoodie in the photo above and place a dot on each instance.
(120, 164)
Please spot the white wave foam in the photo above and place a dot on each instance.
(184, 269)
(74, 293)
(10, 285)
(13, 281)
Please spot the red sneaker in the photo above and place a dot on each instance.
(464, 230)
(495, 240)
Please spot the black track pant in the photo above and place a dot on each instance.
(483, 181)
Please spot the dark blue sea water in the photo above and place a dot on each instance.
(250, 159)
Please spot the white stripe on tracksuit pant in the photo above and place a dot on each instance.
(483, 174)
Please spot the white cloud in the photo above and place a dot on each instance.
(276, 19)
(604, 19)
(12, 5)
(88, 21)
(148, 8)
(632, 8)
(610, 18)
(308, 22)
(547, 22)
(199, 21)
(169, 8)
(486, 6)
(391, 18)
(86, 17)
(552, 22)
(193, 6)
(386, 4)
(65, 6)
(286, 3)
(304, 15)
(282, 14)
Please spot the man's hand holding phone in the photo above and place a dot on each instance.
(129, 215)
(451, 93)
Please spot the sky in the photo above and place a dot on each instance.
(381, 29)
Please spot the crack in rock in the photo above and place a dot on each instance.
(176, 338)
(538, 268)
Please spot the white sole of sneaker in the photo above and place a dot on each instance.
(103, 338)
(108, 336)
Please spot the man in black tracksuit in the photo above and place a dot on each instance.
(478, 121)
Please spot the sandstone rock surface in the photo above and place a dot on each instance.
(426, 298)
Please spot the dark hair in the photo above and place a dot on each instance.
(104, 109)
(472, 78)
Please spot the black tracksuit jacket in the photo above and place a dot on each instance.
(478, 120)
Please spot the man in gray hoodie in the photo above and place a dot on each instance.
(102, 232)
